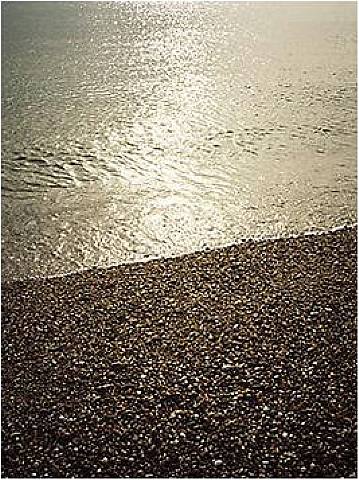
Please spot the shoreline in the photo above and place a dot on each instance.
(238, 361)
(206, 250)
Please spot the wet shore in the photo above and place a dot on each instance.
(235, 362)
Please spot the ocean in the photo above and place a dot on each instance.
(134, 130)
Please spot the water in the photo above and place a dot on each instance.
(132, 130)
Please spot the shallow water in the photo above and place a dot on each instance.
(133, 130)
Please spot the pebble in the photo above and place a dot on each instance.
(264, 386)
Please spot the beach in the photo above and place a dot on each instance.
(233, 362)
(179, 239)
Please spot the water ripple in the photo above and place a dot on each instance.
(154, 129)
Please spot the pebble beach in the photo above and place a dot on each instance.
(234, 362)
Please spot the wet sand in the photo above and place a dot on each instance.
(235, 362)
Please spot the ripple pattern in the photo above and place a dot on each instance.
(133, 130)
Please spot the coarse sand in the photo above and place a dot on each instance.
(234, 362)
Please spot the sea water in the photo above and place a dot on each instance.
(135, 130)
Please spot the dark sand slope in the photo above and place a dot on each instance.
(234, 362)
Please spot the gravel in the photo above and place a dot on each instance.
(236, 362)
